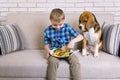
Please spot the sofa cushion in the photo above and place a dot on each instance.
(33, 64)
(10, 39)
(111, 38)
(119, 50)
(0, 51)
(33, 25)
(106, 66)
(28, 63)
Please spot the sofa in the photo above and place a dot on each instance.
(31, 64)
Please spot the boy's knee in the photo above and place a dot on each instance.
(53, 60)
(73, 59)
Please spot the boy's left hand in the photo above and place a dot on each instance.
(71, 44)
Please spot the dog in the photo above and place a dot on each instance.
(91, 32)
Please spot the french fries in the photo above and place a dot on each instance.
(65, 49)
(62, 52)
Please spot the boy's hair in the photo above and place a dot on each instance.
(57, 15)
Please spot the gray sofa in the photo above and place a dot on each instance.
(31, 64)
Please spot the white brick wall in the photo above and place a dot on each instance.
(104, 6)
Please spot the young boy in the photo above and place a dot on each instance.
(56, 35)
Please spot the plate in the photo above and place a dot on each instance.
(59, 54)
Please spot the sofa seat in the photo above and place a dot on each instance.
(25, 63)
(105, 66)
(33, 64)
(28, 63)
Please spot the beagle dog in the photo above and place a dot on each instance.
(92, 33)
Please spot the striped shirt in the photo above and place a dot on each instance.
(58, 38)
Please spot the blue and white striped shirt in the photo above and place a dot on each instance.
(58, 38)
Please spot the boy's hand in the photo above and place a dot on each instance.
(73, 41)
(47, 55)
(47, 51)
(71, 44)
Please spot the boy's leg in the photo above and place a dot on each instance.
(53, 64)
(74, 67)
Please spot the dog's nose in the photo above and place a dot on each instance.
(80, 27)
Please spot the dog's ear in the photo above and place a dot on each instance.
(80, 17)
(90, 22)
(97, 27)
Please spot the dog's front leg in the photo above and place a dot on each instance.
(98, 44)
(96, 50)
(84, 42)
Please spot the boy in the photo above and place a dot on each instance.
(56, 35)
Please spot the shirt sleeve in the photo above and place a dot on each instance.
(46, 39)
(73, 32)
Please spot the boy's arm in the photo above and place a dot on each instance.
(73, 41)
(77, 39)
(47, 48)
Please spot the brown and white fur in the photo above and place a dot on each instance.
(87, 20)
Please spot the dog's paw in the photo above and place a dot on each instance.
(84, 52)
(96, 54)
(96, 51)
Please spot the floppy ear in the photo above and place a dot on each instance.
(90, 22)
(80, 18)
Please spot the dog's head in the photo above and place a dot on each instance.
(87, 20)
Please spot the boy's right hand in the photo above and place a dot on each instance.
(47, 55)
(47, 51)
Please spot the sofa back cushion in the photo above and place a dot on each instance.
(110, 39)
(10, 39)
(119, 50)
(33, 25)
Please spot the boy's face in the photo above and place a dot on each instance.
(57, 25)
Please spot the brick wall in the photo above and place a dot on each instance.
(97, 6)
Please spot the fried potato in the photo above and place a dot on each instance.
(62, 52)
(65, 49)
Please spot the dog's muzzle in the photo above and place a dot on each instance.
(81, 27)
